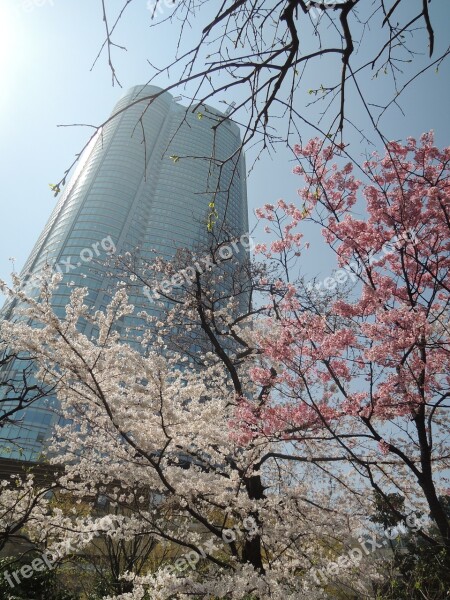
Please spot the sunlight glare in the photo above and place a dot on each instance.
(6, 42)
(13, 49)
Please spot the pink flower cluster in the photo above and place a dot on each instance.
(383, 353)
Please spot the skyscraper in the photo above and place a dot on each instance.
(144, 182)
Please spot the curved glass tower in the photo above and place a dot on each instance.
(145, 182)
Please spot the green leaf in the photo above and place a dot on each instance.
(55, 188)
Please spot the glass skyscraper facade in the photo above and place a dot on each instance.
(145, 182)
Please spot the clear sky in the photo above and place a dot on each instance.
(47, 48)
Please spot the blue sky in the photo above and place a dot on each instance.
(46, 52)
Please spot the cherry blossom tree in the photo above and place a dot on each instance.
(256, 422)
(370, 376)
(155, 432)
